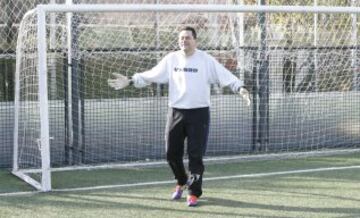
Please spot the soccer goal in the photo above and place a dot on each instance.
(300, 63)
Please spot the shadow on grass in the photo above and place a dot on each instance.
(115, 204)
(125, 201)
(282, 208)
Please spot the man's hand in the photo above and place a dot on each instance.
(119, 82)
(244, 93)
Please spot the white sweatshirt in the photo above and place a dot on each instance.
(189, 78)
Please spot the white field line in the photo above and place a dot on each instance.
(211, 178)
(172, 181)
(9, 194)
(226, 159)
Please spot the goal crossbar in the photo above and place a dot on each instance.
(194, 8)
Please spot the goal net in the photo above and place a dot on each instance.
(300, 63)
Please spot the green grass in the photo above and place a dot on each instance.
(10, 183)
(333, 193)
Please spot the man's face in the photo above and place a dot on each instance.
(187, 43)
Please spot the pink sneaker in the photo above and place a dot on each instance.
(176, 195)
(192, 200)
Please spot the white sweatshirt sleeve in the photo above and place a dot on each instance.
(221, 75)
(158, 74)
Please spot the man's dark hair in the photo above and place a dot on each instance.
(189, 28)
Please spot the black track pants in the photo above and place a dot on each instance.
(192, 125)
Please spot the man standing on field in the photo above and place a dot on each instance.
(189, 73)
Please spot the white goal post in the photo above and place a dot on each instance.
(306, 94)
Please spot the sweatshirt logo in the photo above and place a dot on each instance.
(185, 69)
